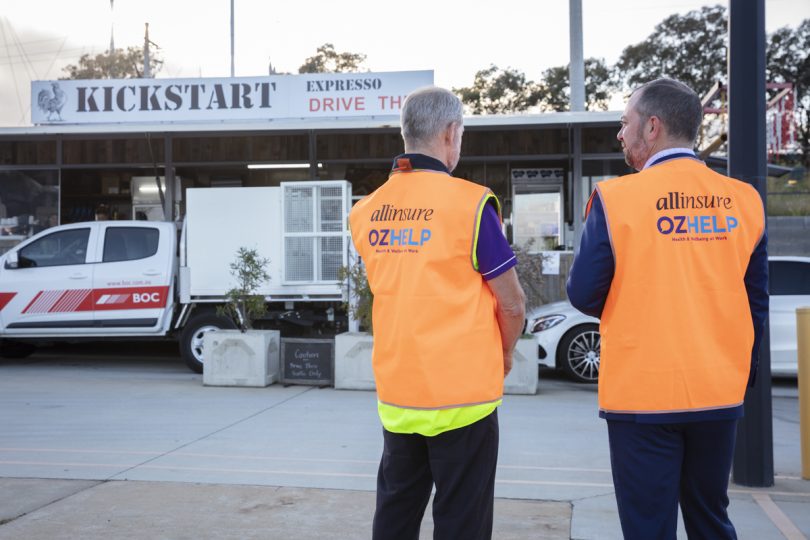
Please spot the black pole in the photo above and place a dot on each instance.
(747, 161)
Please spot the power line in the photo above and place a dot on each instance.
(20, 58)
(38, 41)
(13, 73)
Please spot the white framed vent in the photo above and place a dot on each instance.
(315, 230)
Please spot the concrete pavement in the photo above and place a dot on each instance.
(94, 444)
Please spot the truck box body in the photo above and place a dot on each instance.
(300, 227)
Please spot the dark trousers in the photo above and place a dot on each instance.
(657, 466)
(460, 462)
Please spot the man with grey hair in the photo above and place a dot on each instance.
(673, 260)
(447, 312)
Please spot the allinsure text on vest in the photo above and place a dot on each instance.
(682, 201)
(388, 212)
(695, 224)
(407, 236)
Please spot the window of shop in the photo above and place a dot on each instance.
(88, 192)
(332, 146)
(140, 150)
(246, 149)
(601, 140)
(596, 171)
(27, 152)
(29, 203)
(522, 142)
(537, 207)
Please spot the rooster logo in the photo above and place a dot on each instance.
(52, 102)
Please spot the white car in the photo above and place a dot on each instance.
(569, 340)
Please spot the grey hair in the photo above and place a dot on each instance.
(677, 105)
(427, 112)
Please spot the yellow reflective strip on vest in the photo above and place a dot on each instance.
(432, 422)
(477, 225)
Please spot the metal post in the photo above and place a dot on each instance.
(168, 168)
(753, 455)
(803, 339)
(232, 69)
(313, 158)
(576, 187)
(576, 67)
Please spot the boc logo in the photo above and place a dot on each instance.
(146, 298)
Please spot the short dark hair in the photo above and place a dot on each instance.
(677, 105)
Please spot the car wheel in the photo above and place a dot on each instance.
(16, 349)
(191, 339)
(578, 353)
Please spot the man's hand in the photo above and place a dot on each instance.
(507, 363)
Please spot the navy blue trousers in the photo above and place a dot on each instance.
(657, 466)
(460, 462)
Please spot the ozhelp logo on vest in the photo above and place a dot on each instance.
(700, 227)
(400, 239)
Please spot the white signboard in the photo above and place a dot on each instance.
(313, 95)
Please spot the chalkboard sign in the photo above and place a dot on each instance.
(307, 361)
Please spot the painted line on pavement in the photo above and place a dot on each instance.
(566, 469)
(342, 474)
(768, 492)
(788, 529)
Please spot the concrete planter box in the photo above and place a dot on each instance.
(353, 369)
(234, 358)
(523, 377)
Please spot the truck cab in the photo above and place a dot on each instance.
(107, 278)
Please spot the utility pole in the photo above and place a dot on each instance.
(576, 66)
(112, 28)
(147, 73)
(576, 78)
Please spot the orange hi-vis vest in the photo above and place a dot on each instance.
(676, 327)
(437, 344)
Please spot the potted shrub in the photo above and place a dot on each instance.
(353, 369)
(243, 357)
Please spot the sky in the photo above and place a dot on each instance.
(453, 38)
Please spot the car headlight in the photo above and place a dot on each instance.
(546, 322)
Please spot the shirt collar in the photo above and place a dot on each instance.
(410, 162)
(660, 156)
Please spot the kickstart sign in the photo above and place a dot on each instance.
(314, 95)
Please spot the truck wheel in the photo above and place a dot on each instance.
(16, 349)
(191, 339)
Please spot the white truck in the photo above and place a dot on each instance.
(128, 280)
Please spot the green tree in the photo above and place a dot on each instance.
(119, 64)
(555, 89)
(243, 302)
(328, 60)
(691, 48)
(671, 50)
(497, 90)
(788, 60)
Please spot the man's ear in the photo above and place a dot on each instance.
(655, 129)
(449, 134)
